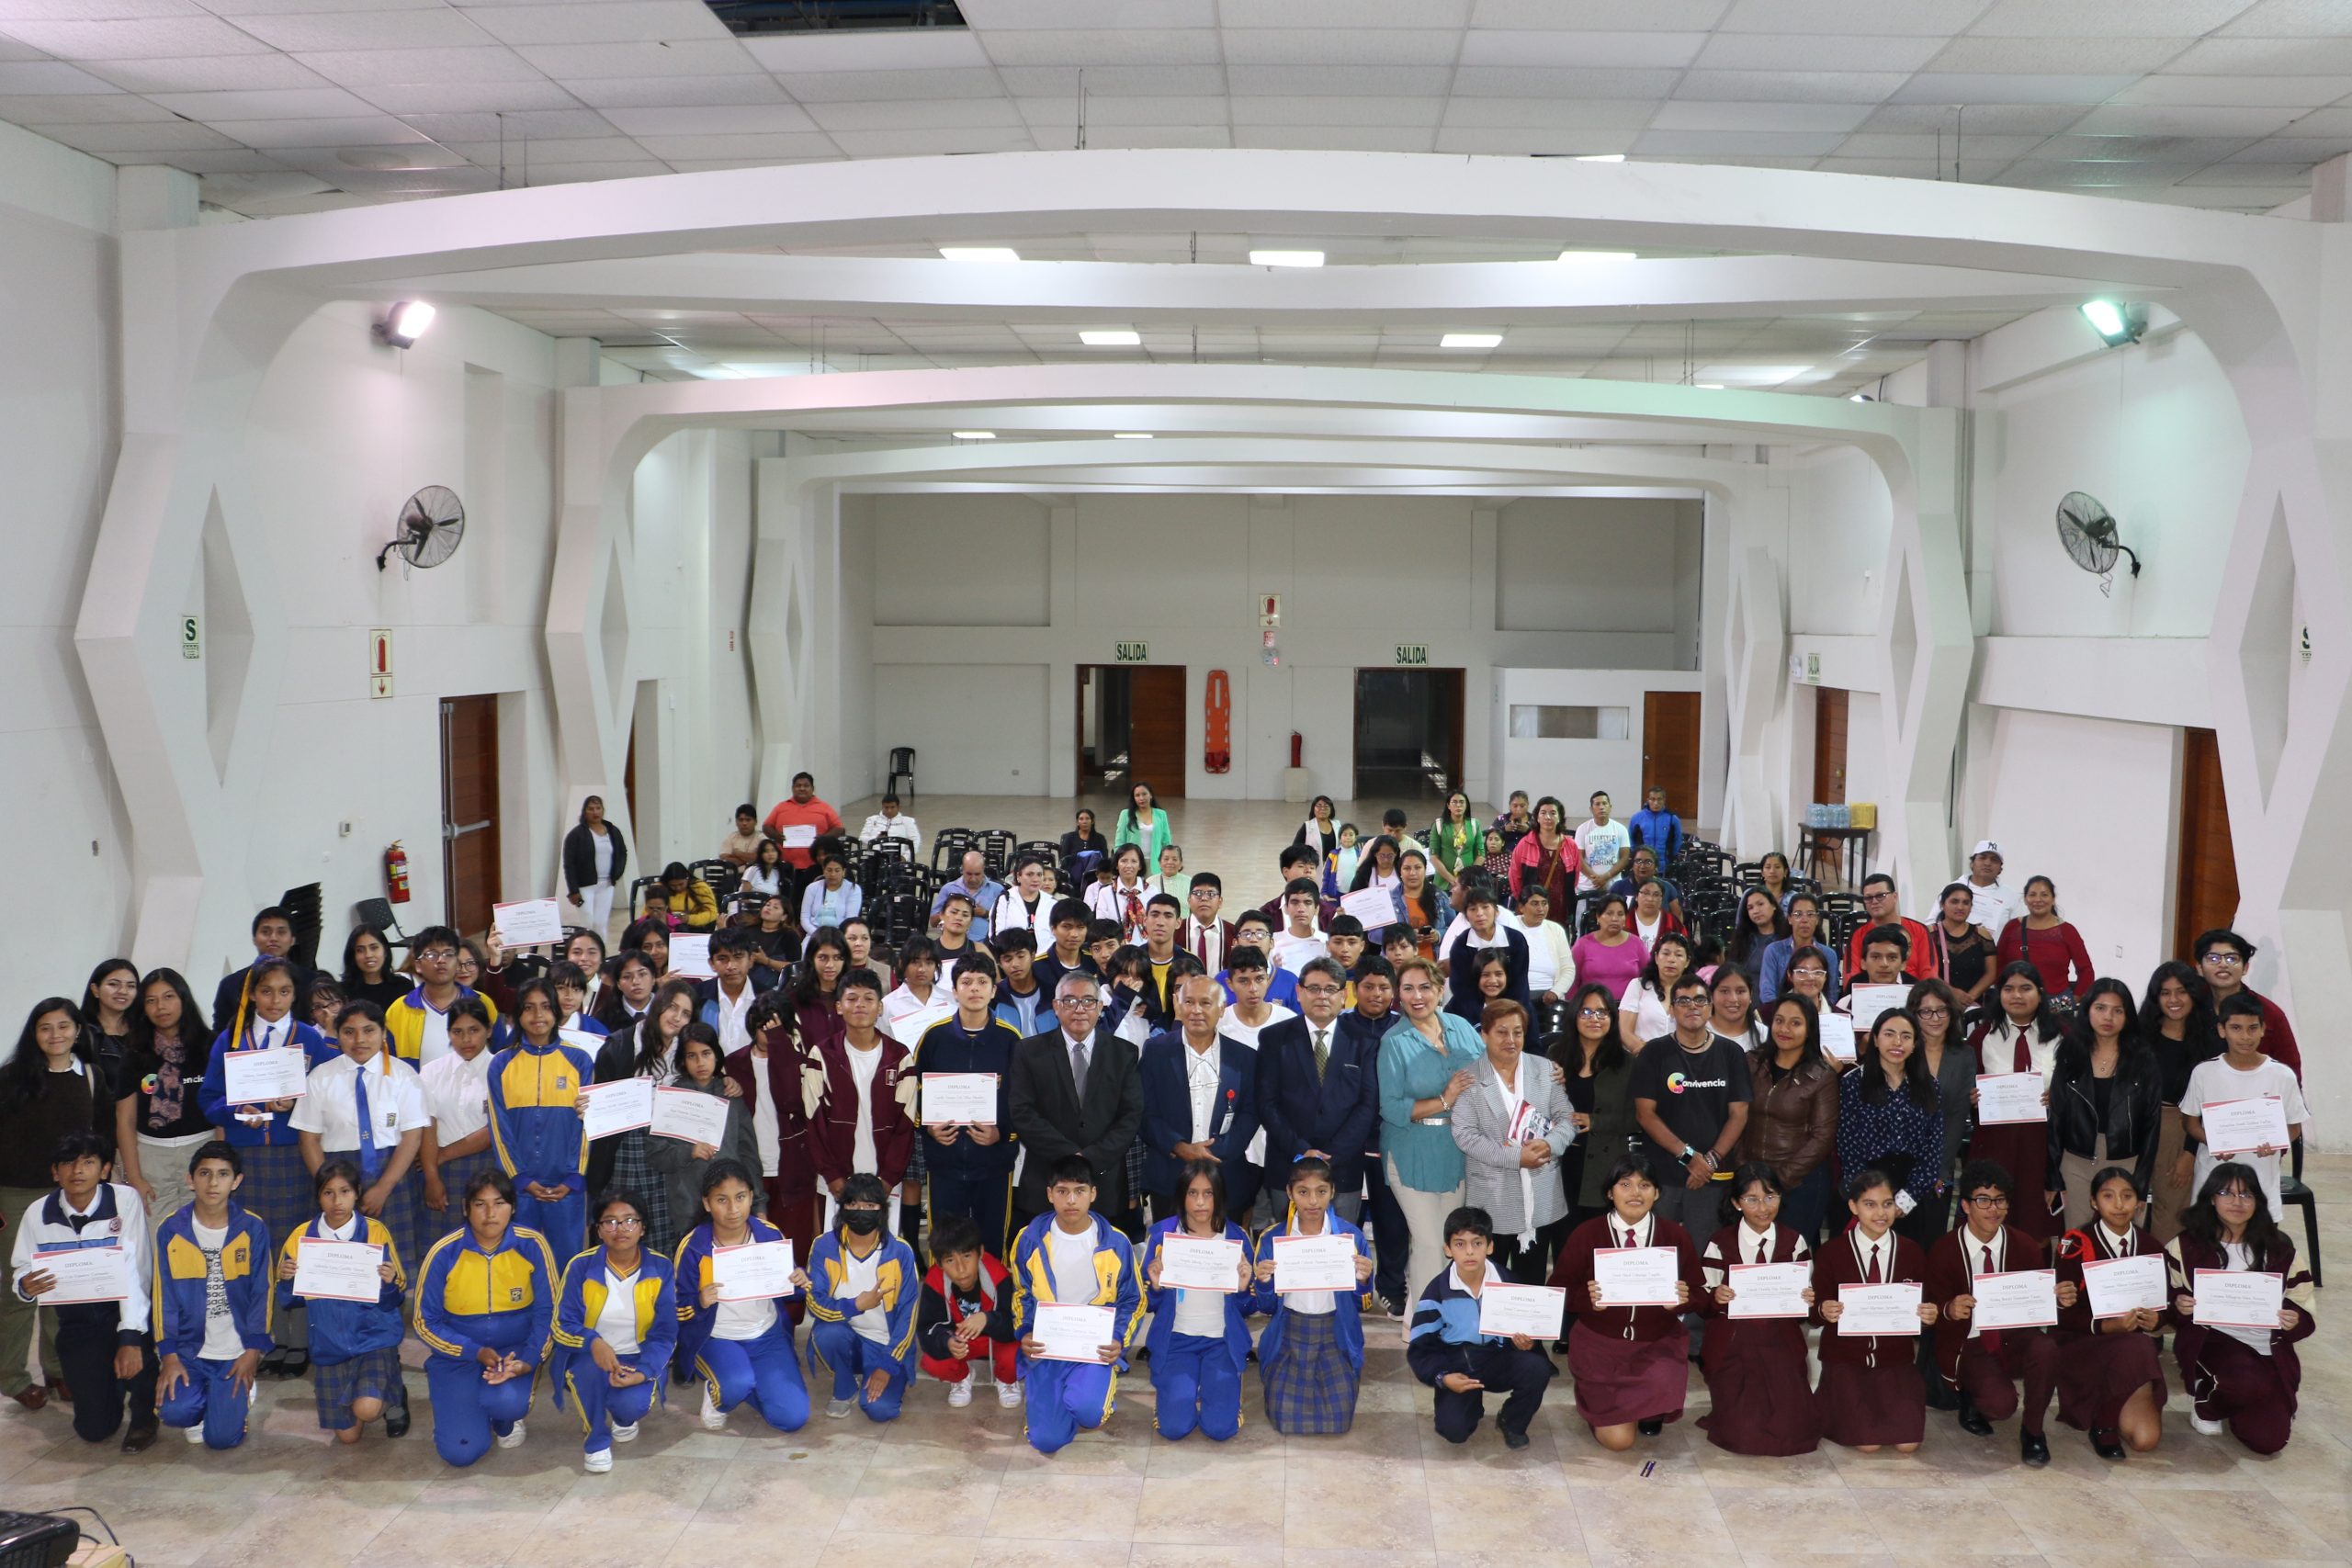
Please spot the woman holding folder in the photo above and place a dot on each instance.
(1761, 1395)
(2243, 1379)
(1631, 1362)
(1199, 1337)
(742, 1348)
(1512, 1127)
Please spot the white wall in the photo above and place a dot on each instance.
(1574, 769)
(983, 725)
(1840, 517)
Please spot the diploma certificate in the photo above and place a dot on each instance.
(609, 1108)
(2003, 1098)
(337, 1271)
(690, 1116)
(1071, 1332)
(256, 1077)
(1313, 1263)
(1866, 1310)
(84, 1274)
(2118, 1285)
(1200, 1263)
(2230, 1298)
(1769, 1289)
(757, 1271)
(2241, 1127)
(965, 1099)
(2018, 1298)
(1636, 1276)
(1536, 1311)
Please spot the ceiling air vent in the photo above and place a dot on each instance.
(756, 16)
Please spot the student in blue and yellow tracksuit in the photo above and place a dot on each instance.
(742, 1348)
(1311, 1356)
(534, 1124)
(615, 1325)
(211, 1342)
(354, 1345)
(864, 1286)
(1072, 1255)
(485, 1299)
(1199, 1339)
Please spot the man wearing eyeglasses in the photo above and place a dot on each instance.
(1691, 1093)
(1074, 1090)
(1878, 899)
(1318, 1092)
(2222, 960)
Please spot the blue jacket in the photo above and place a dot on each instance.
(581, 1300)
(1168, 1114)
(246, 1268)
(1338, 1113)
(1163, 1302)
(535, 1122)
(1282, 987)
(1772, 973)
(691, 1267)
(1347, 1314)
(1041, 1011)
(1118, 1283)
(1445, 1325)
(948, 1047)
(213, 1095)
(897, 1277)
(340, 1330)
(504, 1300)
(1661, 830)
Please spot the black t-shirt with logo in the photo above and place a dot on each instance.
(1695, 1091)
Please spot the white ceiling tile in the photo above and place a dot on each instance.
(49, 78)
(1092, 47)
(1838, 18)
(664, 92)
(376, 131)
(11, 51)
(1511, 82)
(1336, 16)
(1668, 15)
(1108, 112)
(991, 16)
(2153, 119)
(1761, 144)
(577, 174)
(148, 136)
(207, 74)
(574, 61)
(1522, 46)
(1691, 115)
(94, 10)
(530, 125)
(163, 36)
(2239, 56)
(866, 86)
(2241, 174)
(2289, 92)
(283, 102)
(605, 21)
(2294, 150)
(922, 113)
(1927, 167)
(1975, 149)
(1339, 138)
(2063, 56)
(1365, 81)
(2108, 19)
(468, 98)
(531, 154)
(1932, 87)
(2292, 18)
(79, 109)
(767, 144)
(361, 68)
(1561, 114)
(1801, 51)
(713, 120)
(1528, 141)
(442, 28)
(2018, 119)
(926, 48)
(281, 7)
(1348, 46)
(1144, 136)
(916, 143)
(1337, 111)
(1132, 80)
(1790, 86)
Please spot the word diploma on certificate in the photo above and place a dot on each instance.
(690, 1116)
(2120, 1285)
(2016, 1298)
(2008, 1097)
(959, 1099)
(620, 1106)
(83, 1274)
(338, 1270)
(2241, 1127)
(2233, 1298)
(256, 1078)
(1067, 1331)
(1769, 1289)
(1885, 1310)
(532, 922)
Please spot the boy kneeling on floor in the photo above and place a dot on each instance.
(1447, 1351)
(861, 1285)
(1072, 1256)
(967, 1314)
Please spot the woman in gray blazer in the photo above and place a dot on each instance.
(1512, 1127)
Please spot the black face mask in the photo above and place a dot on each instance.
(862, 1222)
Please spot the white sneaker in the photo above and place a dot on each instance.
(2210, 1428)
(624, 1434)
(513, 1439)
(714, 1419)
(600, 1462)
(959, 1394)
(837, 1408)
(1009, 1396)
(193, 1433)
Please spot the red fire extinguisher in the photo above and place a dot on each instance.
(396, 873)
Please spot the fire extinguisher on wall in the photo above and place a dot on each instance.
(396, 873)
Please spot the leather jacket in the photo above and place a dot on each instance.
(1791, 1125)
(2134, 1104)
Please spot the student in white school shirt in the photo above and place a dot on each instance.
(724, 1001)
(1301, 941)
(383, 1137)
(2243, 1073)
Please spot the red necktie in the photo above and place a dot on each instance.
(1870, 1275)
(2023, 1060)
(1992, 1336)
(1135, 913)
(1629, 1238)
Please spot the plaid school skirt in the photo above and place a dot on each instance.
(403, 1214)
(633, 1174)
(372, 1374)
(1310, 1389)
(278, 1189)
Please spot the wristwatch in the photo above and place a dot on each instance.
(1688, 1154)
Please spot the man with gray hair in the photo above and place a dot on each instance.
(1319, 1092)
(1073, 1091)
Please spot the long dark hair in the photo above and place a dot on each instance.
(1649, 971)
(649, 1028)
(196, 1035)
(1916, 1085)
(544, 989)
(612, 1008)
(2075, 1050)
(804, 981)
(1612, 1053)
(1191, 1171)
(89, 1008)
(1127, 818)
(2197, 1032)
(20, 1075)
(1995, 1012)
(1368, 860)
(351, 974)
(1746, 938)
(1810, 1053)
(2203, 1221)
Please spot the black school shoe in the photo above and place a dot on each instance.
(1649, 1428)
(1971, 1421)
(2033, 1449)
(2105, 1443)
(141, 1438)
(1514, 1440)
(396, 1419)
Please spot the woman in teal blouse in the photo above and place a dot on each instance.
(1427, 1062)
(1142, 824)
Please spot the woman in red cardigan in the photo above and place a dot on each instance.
(1631, 1363)
(2051, 945)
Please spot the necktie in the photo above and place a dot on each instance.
(1629, 1238)
(2023, 1060)
(1870, 1275)
(1992, 1336)
(1987, 1251)
(371, 1159)
(1322, 1052)
(1077, 1067)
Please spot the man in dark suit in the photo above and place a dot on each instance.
(1216, 1123)
(1319, 1088)
(1074, 1090)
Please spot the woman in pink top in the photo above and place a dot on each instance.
(1611, 956)
(2051, 945)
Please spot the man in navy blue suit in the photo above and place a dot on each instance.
(1200, 1101)
(1318, 1090)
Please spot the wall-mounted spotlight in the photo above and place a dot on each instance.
(405, 322)
(2116, 322)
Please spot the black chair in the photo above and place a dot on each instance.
(998, 845)
(2293, 1194)
(377, 912)
(724, 877)
(637, 891)
(947, 847)
(902, 766)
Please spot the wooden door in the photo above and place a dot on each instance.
(469, 880)
(1829, 745)
(1156, 728)
(1670, 750)
(2206, 894)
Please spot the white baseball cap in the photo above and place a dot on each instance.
(1986, 847)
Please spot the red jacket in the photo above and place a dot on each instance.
(794, 1167)
(1919, 964)
(832, 1130)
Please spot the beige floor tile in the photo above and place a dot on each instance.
(2327, 1515)
(290, 1532)
(588, 1534)
(451, 1535)
(1342, 1557)
(884, 1549)
(1213, 1505)
(1791, 1522)
(1067, 1508)
(2212, 1527)
(1480, 1512)
(943, 1500)
(1636, 1525)
(1239, 1550)
(1377, 1508)
(177, 1526)
(1941, 1522)
(771, 1540)
(1023, 1552)
(1512, 1557)
(2097, 1527)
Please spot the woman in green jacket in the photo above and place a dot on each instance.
(1142, 824)
(1456, 840)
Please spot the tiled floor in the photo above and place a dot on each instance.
(960, 1489)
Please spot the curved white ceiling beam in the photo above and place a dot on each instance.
(1171, 418)
(1676, 289)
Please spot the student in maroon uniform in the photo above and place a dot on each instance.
(1631, 1364)
(1987, 1365)
(1871, 1393)
(2109, 1381)
(1757, 1382)
(2243, 1380)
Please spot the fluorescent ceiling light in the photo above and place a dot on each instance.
(979, 252)
(1708, 385)
(1285, 258)
(1111, 337)
(2116, 323)
(1600, 157)
(1597, 256)
(973, 434)
(405, 322)
(1470, 340)
(1131, 435)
